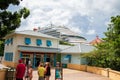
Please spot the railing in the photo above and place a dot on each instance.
(112, 74)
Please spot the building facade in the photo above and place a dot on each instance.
(72, 54)
(31, 46)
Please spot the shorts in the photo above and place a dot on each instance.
(41, 78)
(19, 78)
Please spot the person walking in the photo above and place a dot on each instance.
(30, 71)
(41, 72)
(48, 71)
(26, 76)
(20, 70)
(58, 72)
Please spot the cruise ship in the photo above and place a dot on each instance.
(64, 33)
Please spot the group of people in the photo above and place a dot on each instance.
(25, 72)
(44, 72)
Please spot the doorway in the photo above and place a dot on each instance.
(37, 60)
(48, 59)
(26, 58)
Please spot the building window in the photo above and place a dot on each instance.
(38, 42)
(26, 56)
(5, 41)
(48, 43)
(9, 41)
(27, 41)
(68, 58)
(9, 56)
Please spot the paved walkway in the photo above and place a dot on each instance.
(69, 74)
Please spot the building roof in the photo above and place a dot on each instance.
(96, 41)
(32, 33)
(79, 48)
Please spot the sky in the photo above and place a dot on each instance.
(89, 18)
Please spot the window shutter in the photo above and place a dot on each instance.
(27, 41)
(39, 42)
(49, 43)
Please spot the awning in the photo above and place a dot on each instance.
(38, 49)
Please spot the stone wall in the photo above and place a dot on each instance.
(9, 64)
(2, 74)
(112, 74)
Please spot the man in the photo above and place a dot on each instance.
(41, 72)
(20, 70)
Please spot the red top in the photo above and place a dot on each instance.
(20, 70)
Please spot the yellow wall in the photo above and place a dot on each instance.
(18, 39)
(112, 74)
(9, 64)
(11, 47)
(2, 74)
(77, 67)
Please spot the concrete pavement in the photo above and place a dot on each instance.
(69, 74)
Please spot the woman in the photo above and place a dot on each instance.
(48, 71)
(26, 75)
(30, 70)
(58, 71)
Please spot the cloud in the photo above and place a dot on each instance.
(84, 16)
(90, 32)
(76, 30)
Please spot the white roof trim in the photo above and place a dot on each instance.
(32, 33)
